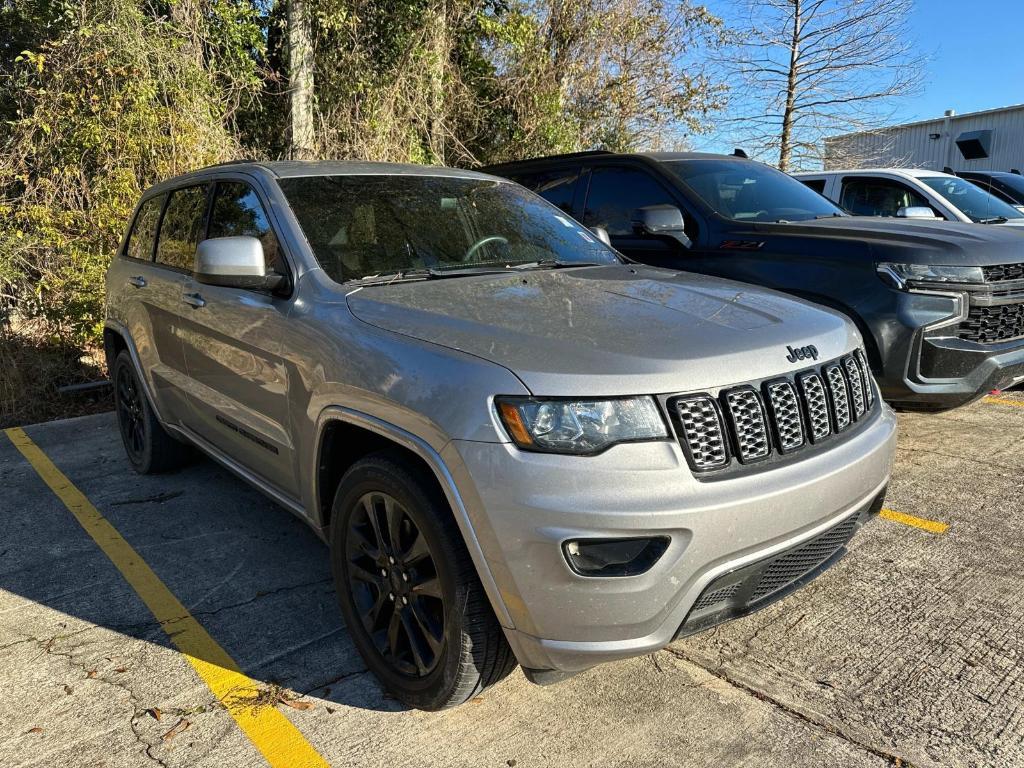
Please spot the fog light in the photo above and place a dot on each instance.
(614, 557)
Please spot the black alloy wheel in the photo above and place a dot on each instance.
(130, 415)
(394, 585)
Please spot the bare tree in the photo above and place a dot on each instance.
(805, 69)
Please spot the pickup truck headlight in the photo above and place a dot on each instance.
(900, 275)
(580, 427)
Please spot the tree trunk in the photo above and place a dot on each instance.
(300, 68)
(786, 140)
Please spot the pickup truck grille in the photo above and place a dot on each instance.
(749, 423)
(991, 324)
(1002, 272)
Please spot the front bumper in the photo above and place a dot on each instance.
(925, 363)
(523, 506)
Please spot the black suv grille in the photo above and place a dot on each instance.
(751, 423)
(1003, 272)
(1002, 322)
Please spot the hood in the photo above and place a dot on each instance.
(611, 330)
(900, 240)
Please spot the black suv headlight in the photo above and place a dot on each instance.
(580, 427)
(903, 275)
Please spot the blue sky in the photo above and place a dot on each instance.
(975, 55)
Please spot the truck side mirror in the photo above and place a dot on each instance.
(663, 221)
(601, 234)
(916, 212)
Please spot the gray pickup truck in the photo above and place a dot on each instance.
(519, 446)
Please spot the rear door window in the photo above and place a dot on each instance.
(140, 239)
(558, 187)
(237, 211)
(182, 227)
(869, 196)
(616, 192)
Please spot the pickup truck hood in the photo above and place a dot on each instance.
(610, 330)
(919, 242)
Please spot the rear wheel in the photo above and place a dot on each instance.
(408, 590)
(149, 447)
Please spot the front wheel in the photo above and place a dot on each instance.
(408, 590)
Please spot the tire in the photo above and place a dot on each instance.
(149, 447)
(441, 646)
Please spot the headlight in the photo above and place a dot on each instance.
(579, 427)
(899, 275)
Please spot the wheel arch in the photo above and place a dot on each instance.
(333, 457)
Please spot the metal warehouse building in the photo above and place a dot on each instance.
(992, 140)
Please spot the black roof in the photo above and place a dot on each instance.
(603, 154)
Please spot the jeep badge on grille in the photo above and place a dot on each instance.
(802, 353)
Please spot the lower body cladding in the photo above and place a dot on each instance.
(750, 538)
(943, 351)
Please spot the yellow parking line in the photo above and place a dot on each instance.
(271, 732)
(932, 526)
(1004, 401)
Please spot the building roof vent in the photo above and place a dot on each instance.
(974, 145)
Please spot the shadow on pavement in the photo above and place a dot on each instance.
(257, 578)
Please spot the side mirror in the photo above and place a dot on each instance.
(665, 221)
(916, 212)
(234, 262)
(601, 234)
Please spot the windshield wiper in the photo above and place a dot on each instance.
(994, 220)
(557, 264)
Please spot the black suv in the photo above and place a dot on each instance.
(1008, 186)
(940, 304)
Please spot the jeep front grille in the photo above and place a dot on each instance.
(785, 413)
(749, 429)
(991, 324)
(702, 431)
(751, 422)
(838, 395)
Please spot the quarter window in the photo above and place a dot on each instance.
(237, 211)
(140, 239)
(181, 228)
(615, 193)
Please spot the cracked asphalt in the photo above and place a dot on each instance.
(907, 652)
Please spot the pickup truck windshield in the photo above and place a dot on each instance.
(362, 226)
(974, 201)
(747, 191)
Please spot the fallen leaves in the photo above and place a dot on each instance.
(180, 727)
(37, 729)
(155, 713)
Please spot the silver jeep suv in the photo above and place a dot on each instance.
(520, 446)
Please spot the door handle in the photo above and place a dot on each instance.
(138, 281)
(194, 300)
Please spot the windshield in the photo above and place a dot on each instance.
(973, 201)
(748, 191)
(362, 226)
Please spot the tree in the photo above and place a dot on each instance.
(810, 68)
(614, 74)
(300, 70)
